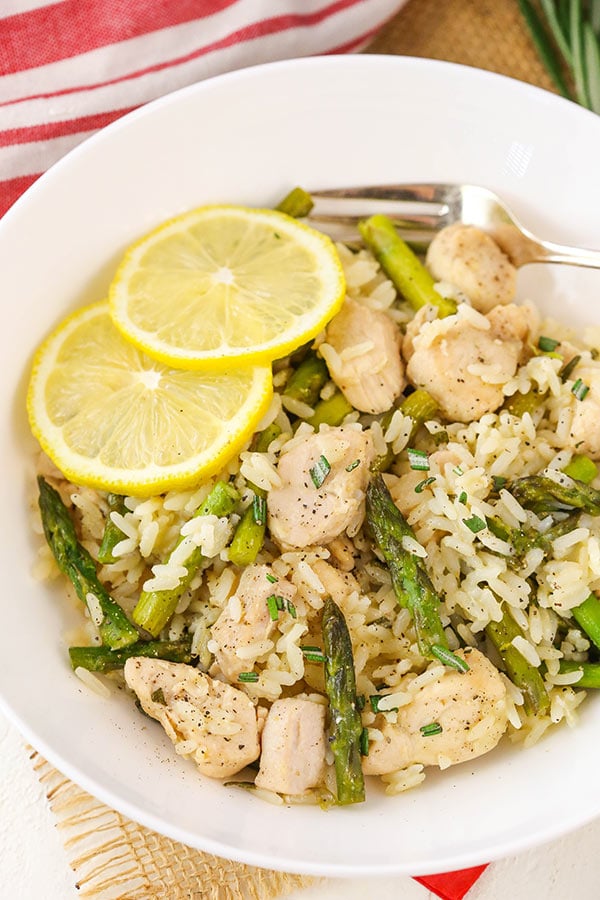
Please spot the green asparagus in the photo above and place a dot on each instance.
(112, 533)
(590, 672)
(411, 583)
(421, 407)
(154, 609)
(526, 538)
(587, 616)
(332, 411)
(307, 380)
(75, 562)
(250, 533)
(298, 203)
(581, 468)
(524, 675)
(340, 687)
(262, 439)
(102, 659)
(408, 275)
(519, 404)
(544, 495)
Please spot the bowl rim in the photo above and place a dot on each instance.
(501, 849)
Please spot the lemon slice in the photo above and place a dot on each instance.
(113, 418)
(226, 284)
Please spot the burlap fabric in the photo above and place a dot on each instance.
(112, 857)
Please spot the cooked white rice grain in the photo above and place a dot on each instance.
(93, 682)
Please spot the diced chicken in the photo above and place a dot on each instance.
(301, 514)
(472, 261)
(367, 365)
(212, 723)
(584, 430)
(469, 707)
(293, 747)
(465, 359)
(245, 623)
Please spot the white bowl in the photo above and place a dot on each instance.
(248, 137)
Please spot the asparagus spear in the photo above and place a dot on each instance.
(591, 672)
(298, 203)
(519, 404)
(102, 659)
(525, 539)
(408, 275)
(154, 609)
(307, 380)
(522, 673)
(112, 534)
(340, 687)
(581, 468)
(421, 407)
(75, 562)
(544, 495)
(262, 439)
(250, 532)
(412, 585)
(587, 616)
(332, 411)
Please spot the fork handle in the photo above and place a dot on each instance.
(572, 256)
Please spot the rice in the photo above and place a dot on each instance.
(475, 570)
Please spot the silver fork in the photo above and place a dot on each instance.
(419, 211)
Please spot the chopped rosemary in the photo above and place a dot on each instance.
(448, 658)
(420, 487)
(567, 369)
(320, 471)
(353, 465)
(364, 742)
(313, 654)
(475, 524)
(277, 604)
(418, 459)
(431, 729)
(248, 677)
(271, 578)
(580, 389)
(547, 345)
(259, 510)
(273, 607)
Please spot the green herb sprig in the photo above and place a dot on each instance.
(567, 38)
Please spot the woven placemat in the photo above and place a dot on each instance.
(114, 858)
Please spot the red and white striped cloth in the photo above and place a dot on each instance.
(68, 68)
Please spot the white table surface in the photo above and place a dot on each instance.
(33, 863)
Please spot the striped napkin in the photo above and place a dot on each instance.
(72, 67)
(69, 68)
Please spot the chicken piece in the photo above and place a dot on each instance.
(217, 723)
(584, 430)
(470, 707)
(293, 747)
(465, 359)
(367, 365)
(472, 261)
(301, 514)
(238, 635)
